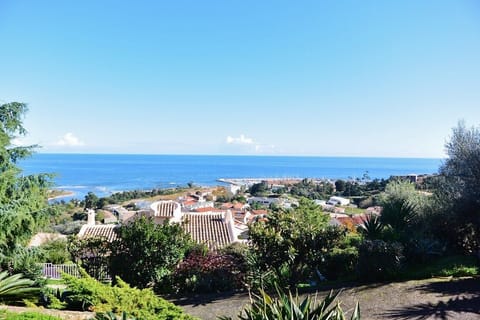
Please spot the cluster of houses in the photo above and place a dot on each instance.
(216, 227)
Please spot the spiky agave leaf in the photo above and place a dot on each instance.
(15, 287)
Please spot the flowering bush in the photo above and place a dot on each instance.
(208, 272)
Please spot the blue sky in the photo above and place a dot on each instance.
(328, 78)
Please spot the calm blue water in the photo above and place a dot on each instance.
(104, 174)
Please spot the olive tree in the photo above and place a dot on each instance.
(458, 193)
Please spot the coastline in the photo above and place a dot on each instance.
(63, 194)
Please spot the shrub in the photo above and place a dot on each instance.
(288, 307)
(87, 293)
(211, 272)
(55, 251)
(379, 260)
(340, 263)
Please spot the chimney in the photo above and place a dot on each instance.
(91, 217)
(228, 216)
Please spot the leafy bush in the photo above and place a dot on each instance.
(379, 260)
(211, 272)
(340, 263)
(288, 307)
(23, 260)
(145, 253)
(55, 251)
(86, 293)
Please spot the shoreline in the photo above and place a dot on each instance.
(64, 194)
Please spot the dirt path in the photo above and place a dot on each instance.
(421, 300)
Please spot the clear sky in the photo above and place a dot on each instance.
(328, 78)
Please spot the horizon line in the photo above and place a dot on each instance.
(242, 155)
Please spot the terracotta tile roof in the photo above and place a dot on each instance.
(106, 231)
(189, 202)
(166, 209)
(210, 229)
(227, 205)
(238, 206)
(259, 211)
(208, 209)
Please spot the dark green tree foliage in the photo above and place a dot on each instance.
(458, 194)
(259, 189)
(23, 199)
(340, 185)
(146, 253)
(91, 201)
(293, 243)
(311, 190)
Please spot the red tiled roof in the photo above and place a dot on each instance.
(208, 209)
(227, 205)
(210, 229)
(106, 231)
(260, 211)
(238, 206)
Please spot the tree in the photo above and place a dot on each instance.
(91, 201)
(23, 199)
(292, 244)
(259, 189)
(340, 185)
(458, 194)
(145, 253)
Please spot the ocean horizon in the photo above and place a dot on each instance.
(105, 174)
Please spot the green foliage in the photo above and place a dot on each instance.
(372, 227)
(289, 307)
(15, 288)
(379, 260)
(87, 293)
(449, 266)
(23, 260)
(91, 201)
(292, 244)
(458, 191)
(340, 263)
(259, 189)
(26, 316)
(23, 198)
(92, 254)
(145, 253)
(312, 190)
(112, 316)
(55, 251)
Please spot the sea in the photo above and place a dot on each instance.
(105, 174)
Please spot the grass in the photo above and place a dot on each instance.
(352, 210)
(7, 315)
(450, 266)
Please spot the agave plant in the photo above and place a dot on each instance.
(288, 307)
(112, 316)
(372, 227)
(15, 288)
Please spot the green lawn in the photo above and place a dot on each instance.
(454, 266)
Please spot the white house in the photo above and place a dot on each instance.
(338, 201)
